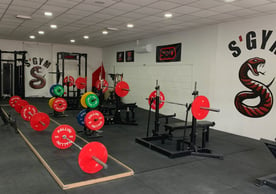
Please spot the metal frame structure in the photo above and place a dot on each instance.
(17, 73)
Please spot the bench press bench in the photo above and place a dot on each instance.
(204, 125)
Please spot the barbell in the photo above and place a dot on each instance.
(121, 88)
(200, 105)
(92, 157)
(38, 120)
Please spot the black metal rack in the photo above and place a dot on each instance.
(12, 65)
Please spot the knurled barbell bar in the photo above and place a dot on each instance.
(92, 157)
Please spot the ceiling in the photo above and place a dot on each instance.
(76, 18)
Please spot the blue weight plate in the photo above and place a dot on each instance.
(52, 89)
(81, 116)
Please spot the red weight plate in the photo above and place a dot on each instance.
(20, 104)
(197, 111)
(69, 79)
(13, 100)
(59, 104)
(90, 150)
(104, 85)
(161, 100)
(81, 83)
(122, 89)
(60, 132)
(94, 120)
(40, 121)
(28, 111)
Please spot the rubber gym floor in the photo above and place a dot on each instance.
(244, 160)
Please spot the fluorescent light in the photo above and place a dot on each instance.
(72, 41)
(24, 17)
(130, 25)
(168, 15)
(47, 13)
(53, 26)
(86, 37)
(105, 32)
(229, 1)
(40, 32)
(112, 29)
(32, 37)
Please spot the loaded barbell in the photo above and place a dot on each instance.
(200, 105)
(38, 120)
(121, 88)
(92, 157)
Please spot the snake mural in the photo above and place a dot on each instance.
(258, 89)
(39, 81)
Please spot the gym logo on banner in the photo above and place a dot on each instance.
(38, 71)
(168, 53)
(250, 72)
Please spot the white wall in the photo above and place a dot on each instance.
(49, 52)
(176, 79)
(207, 60)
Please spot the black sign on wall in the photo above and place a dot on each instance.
(168, 53)
(130, 56)
(120, 56)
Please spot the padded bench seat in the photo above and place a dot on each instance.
(204, 125)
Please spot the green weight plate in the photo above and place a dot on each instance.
(92, 100)
(58, 90)
(83, 97)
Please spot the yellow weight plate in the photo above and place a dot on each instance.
(82, 100)
(51, 102)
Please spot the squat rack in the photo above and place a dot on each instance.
(61, 57)
(15, 74)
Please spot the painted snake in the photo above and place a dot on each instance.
(38, 78)
(258, 90)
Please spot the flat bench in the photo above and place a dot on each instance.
(204, 125)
